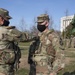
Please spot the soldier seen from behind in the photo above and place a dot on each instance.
(9, 50)
(46, 53)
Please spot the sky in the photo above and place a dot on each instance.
(30, 9)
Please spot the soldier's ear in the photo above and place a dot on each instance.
(47, 23)
(1, 20)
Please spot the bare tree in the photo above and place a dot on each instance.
(66, 14)
(33, 29)
(23, 25)
(51, 23)
(51, 20)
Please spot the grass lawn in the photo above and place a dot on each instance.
(22, 71)
(68, 70)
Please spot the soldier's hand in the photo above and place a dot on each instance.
(53, 73)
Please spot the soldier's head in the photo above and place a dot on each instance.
(4, 17)
(42, 22)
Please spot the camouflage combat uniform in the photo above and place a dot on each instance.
(8, 36)
(49, 55)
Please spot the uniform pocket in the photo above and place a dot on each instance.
(7, 56)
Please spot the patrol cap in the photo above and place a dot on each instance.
(4, 13)
(42, 18)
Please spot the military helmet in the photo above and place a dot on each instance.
(4, 13)
(42, 18)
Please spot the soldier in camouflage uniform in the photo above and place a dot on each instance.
(8, 36)
(48, 57)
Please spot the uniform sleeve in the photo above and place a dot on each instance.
(59, 57)
(15, 35)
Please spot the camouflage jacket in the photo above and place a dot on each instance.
(9, 34)
(9, 50)
(47, 39)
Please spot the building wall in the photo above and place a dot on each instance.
(65, 22)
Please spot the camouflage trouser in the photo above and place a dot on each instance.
(43, 64)
(6, 69)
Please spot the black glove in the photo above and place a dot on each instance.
(30, 61)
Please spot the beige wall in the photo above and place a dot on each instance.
(65, 22)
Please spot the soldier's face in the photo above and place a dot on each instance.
(4, 21)
(41, 26)
(1, 20)
(46, 23)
